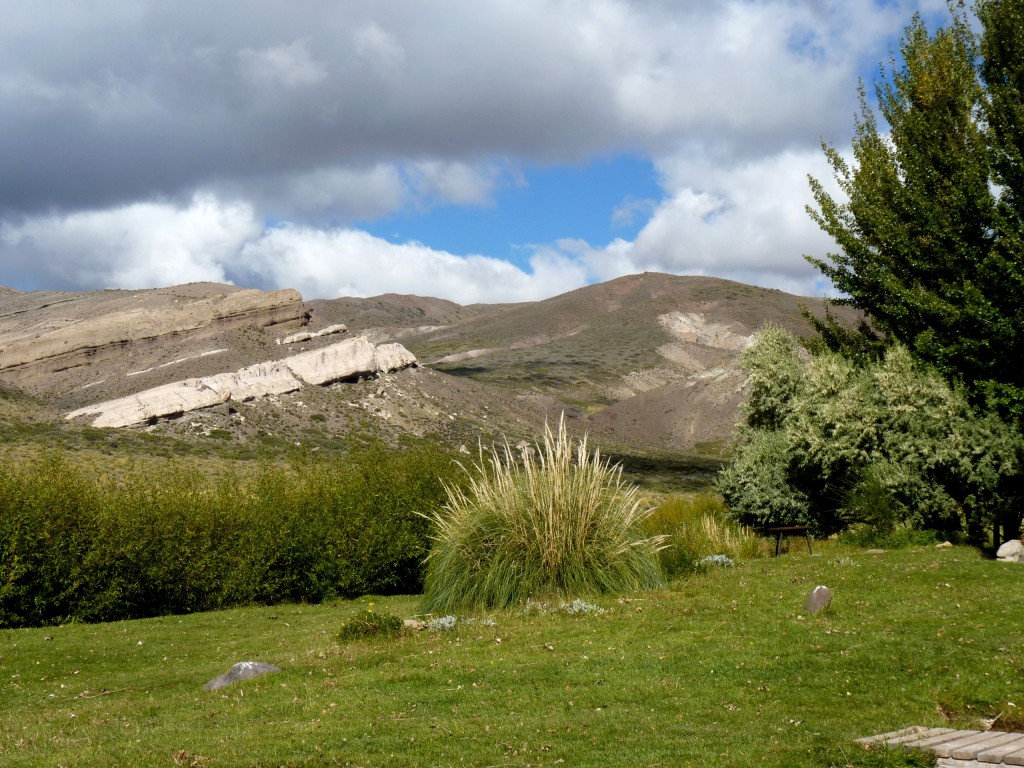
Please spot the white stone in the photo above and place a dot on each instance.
(332, 329)
(166, 400)
(344, 360)
(1011, 552)
(260, 380)
(391, 357)
(301, 336)
(295, 338)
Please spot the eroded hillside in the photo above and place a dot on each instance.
(644, 362)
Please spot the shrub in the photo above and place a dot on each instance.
(77, 548)
(697, 527)
(827, 443)
(889, 537)
(370, 624)
(556, 521)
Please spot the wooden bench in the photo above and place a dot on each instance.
(790, 530)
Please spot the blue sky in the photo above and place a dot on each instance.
(596, 201)
(494, 150)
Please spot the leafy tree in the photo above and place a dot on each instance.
(831, 442)
(931, 233)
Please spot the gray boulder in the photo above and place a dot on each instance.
(243, 670)
(819, 599)
(1011, 552)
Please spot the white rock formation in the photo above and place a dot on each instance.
(260, 380)
(166, 400)
(301, 336)
(345, 360)
(297, 338)
(392, 357)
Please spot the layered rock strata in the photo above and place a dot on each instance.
(345, 360)
(48, 332)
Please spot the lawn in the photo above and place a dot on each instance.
(722, 669)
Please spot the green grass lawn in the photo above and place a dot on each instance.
(723, 669)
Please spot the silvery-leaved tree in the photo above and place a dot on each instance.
(826, 442)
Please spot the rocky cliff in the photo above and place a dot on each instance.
(46, 333)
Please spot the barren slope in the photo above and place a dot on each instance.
(644, 362)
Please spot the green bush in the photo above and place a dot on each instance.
(370, 624)
(77, 548)
(828, 443)
(556, 521)
(697, 527)
(891, 537)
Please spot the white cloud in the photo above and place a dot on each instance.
(631, 209)
(346, 262)
(290, 65)
(432, 181)
(745, 221)
(379, 49)
(135, 246)
(153, 244)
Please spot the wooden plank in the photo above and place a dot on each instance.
(945, 749)
(995, 739)
(996, 754)
(912, 730)
(924, 734)
(952, 762)
(1014, 758)
(934, 741)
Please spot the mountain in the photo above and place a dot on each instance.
(641, 363)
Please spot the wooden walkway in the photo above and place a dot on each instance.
(958, 749)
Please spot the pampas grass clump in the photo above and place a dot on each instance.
(555, 521)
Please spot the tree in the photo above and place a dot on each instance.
(827, 441)
(931, 234)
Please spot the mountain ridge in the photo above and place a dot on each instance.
(644, 362)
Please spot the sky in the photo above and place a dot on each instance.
(473, 150)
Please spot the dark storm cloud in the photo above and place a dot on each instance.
(110, 102)
(147, 142)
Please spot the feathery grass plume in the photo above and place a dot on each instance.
(553, 522)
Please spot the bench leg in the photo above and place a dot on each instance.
(778, 543)
(808, 537)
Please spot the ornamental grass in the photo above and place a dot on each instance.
(555, 521)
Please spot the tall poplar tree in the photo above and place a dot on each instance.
(931, 233)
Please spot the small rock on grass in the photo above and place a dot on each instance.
(819, 599)
(243, 670)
